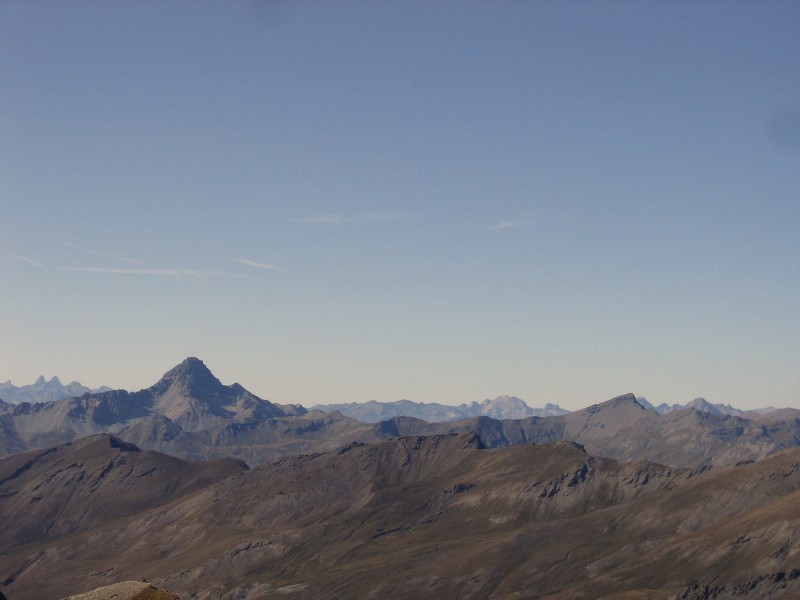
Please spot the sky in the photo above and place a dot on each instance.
(435, 201)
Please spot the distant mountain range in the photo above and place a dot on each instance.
(190, 414)
(502, 407)
(414, 517)
(703, 405)
(44, 391)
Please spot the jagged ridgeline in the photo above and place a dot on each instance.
(424, 516)
(190, 414)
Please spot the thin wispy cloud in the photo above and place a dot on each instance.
(256, 264)
(176, 273)
(125, 259)
(139, 271)
(339, 218)
(30, 261)
(505, 224)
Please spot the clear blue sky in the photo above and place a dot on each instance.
(439, 201)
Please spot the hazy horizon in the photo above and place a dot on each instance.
(577, 404)
(443, 202)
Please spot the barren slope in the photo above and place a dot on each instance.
(442, 517)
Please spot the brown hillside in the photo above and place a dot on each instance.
(435, 517)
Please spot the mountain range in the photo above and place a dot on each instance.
(413, 517)
(704, 405)
(44, 391)
(213, 493)
(190, 414)
(502, 407)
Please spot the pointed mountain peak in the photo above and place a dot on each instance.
(625, 401)
(193, 376)
(699, 403)
(703, 405)
(192, 397)
(193, 368)
(192, 364)
(55, 381)
(40, 380)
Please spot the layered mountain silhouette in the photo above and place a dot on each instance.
(704, 405)
(502, 407)
(414, 517)
(182, 413)
(190, 414)
(623, 429)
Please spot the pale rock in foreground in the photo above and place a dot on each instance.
(125, 590)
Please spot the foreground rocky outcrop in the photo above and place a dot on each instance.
(125, 590)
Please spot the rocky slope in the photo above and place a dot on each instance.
(419, 517)
(61, 491)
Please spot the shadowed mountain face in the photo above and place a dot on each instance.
(419, 517)
(53, 493)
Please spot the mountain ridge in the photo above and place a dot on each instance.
(501, 407)
(190, 414)
(436, 516)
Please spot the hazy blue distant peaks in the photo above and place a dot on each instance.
(502, 407)
(43, 391)
(661, 409)
(702, 405)
(511, 407)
